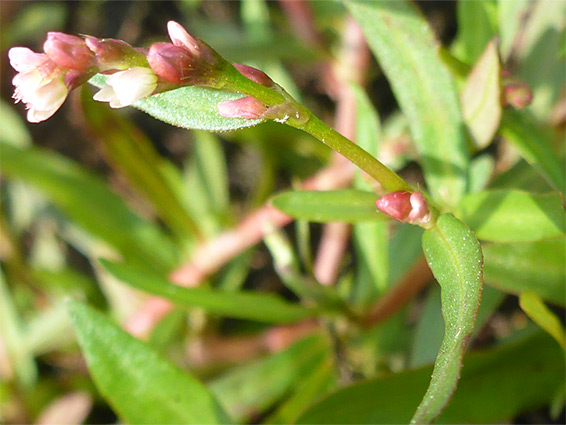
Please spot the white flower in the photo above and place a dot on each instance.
(126, 87)
(39, 84)
(23, 59)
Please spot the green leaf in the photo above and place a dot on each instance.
(481, 97)
(538, 267)
(513, 216)
(142, 386)
(371, 240)
(315, 383)
(189, 107)
(129, 149)
(406, 49)
(255, 387)
(521, 176)
(205, 188)
(348, 206)
(532, 304)
(48, 330)
(14, 131)
(455, 258)
(210, 164)
(481, 169)
(408, 240)
(541, 35)
(519, 128)
(89, 203)
(491, 389)
(430, 329)
(287, 267)
(11, 328)
(265, 308)
(511, 20)
(476, 26)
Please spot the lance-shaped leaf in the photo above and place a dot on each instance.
(131, 152)
(535, 308)
(142, 386)
(537, 267)
(455, 257)
(370, 239)
(406, 49)
(477, 24)
(348, 206)
(534, 144)
(496, 385)
(90, 204)
(255, 387)
(190, 107)
(514, 216)
(265, 308)
(481, 97)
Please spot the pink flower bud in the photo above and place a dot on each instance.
(172, 63)
(254, 74)
(517, 94)
(246, 107)
(405, 206)
(419, 208)
(180, 37)
(114, 54)
(207, 62)
(68, 51)
(396, 204)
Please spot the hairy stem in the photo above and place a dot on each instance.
(390, 181)
(303, 119)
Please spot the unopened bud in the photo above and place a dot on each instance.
(115, 54)
(197, 48)
(396, 204)
(68, 51)
(172, 63)
(419, 208)
(517, 93)
(405, 206)
(246, 107)
(180, 37)
(254, 74)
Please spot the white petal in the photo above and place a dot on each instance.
(180, 37)
(106, 94)
(50, 96)
(23, 59)
(27, 84)
(133, 84)
(35, 116)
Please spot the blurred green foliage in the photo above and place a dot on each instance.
(100, 206)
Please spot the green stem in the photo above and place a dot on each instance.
(306, 121)
(390, 181)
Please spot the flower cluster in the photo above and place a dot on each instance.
(44, 80)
